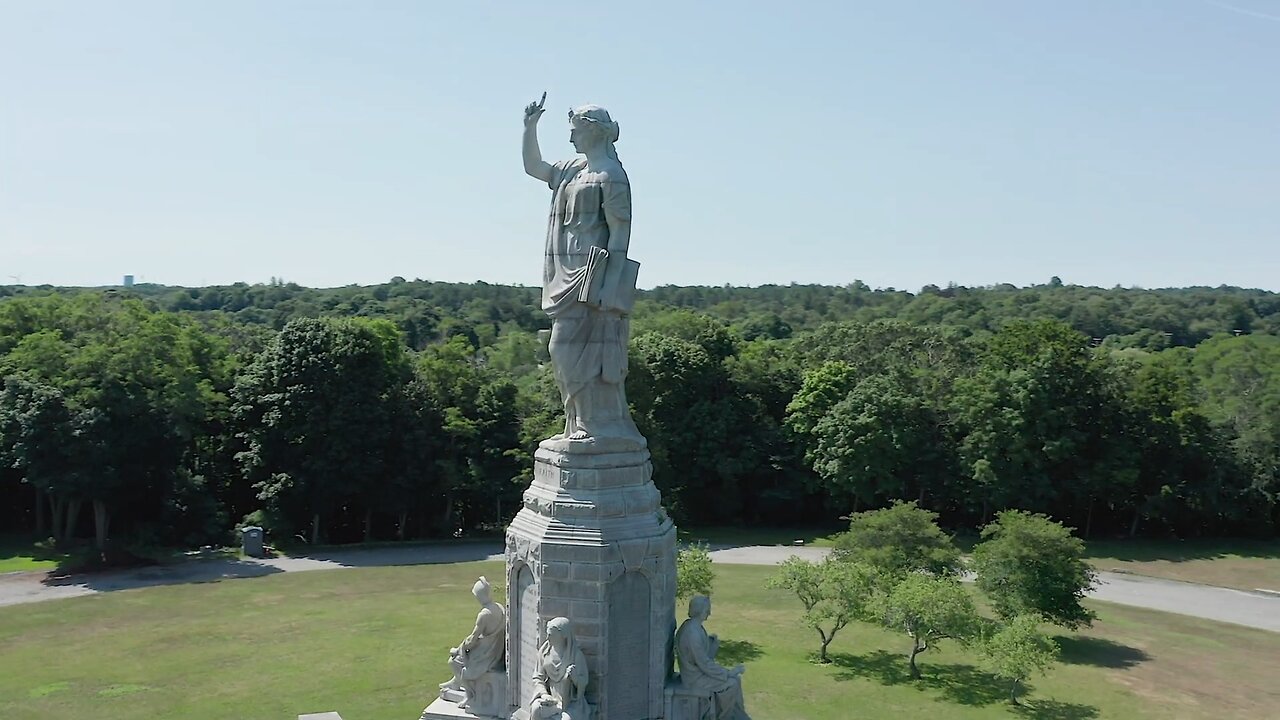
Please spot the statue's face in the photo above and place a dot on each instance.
(700, 608)
(582, 136)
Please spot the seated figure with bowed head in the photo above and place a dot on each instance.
(560, 681)
(696, 651)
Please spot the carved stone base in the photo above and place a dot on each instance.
(594, 545)
(684, 703)
(595, 446)
(490, 699)
(441, 709)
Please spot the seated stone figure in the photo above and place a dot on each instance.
(483, 650)
(560, 681)
(696, 651)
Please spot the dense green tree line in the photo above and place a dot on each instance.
(425, 311)
(1032, 417)
(411, 409)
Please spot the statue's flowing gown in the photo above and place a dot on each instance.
(488, 643)
(553, 677)
(588, 345)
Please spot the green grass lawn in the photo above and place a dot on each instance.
(371, 644)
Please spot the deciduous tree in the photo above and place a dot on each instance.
(833, 594)
(928, 609)
(694, 575)
(899, 540)
(1029, 564)
(1017, 650)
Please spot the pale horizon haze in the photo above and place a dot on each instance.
(329, 143)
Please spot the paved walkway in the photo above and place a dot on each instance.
(1256, 610)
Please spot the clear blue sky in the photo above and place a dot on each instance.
(1131, 142)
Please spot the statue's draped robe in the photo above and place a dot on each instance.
(700, 671)
(483, 650)
(588, 346)
(553, 678)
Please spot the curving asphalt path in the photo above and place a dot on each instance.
(1257, 610)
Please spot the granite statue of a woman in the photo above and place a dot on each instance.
(587, 280)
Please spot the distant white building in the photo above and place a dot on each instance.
(128, 281)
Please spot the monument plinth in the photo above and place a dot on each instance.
(593, 544)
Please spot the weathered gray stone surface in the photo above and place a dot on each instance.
(700, 673)
(560, 679)
(593, 544)
(588, 280)
(442, 709)
(479, 654)
(486, 698)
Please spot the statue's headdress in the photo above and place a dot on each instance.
(597, 117)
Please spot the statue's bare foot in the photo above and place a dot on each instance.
(569, 425)
(579, 435)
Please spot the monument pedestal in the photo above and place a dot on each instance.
(490, 700)
(442, 709)
(593, 544)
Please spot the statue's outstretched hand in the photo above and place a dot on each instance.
(533, 111)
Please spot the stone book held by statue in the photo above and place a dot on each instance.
(592, 288)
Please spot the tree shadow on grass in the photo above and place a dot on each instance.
(1100, 652)
(1054, 710)
(957, 683)
(733, 652)
(179, 574)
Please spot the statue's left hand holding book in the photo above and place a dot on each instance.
(592, 289)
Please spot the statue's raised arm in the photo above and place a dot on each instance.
(534, 165)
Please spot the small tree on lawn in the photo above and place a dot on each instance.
(1031, 564)
(1016, 651)
(833, 593)
(694, 575)
(897, 540)
(929, 609)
